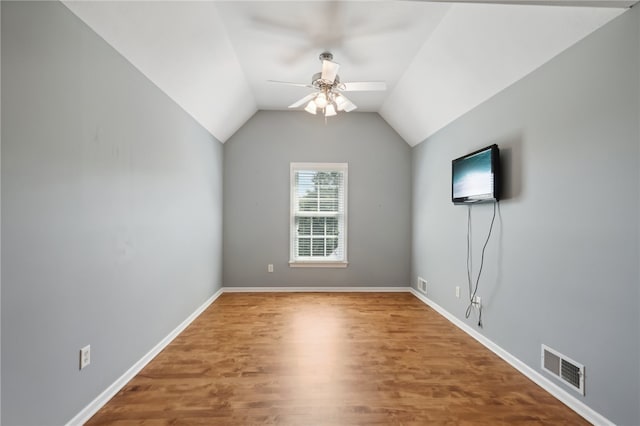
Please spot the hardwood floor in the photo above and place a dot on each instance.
(328, 359)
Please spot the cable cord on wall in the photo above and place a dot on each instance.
(473, 289)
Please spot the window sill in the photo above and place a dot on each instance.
(303, 264)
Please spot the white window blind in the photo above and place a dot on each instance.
(318, 214)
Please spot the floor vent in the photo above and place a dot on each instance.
(422, 285)
(564, 368)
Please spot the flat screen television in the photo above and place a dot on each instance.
(475, 177)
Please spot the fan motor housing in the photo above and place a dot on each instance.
(319, 83)
(325, 56)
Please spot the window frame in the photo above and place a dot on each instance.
(294, 261)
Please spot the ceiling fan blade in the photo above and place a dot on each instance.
(303, 101)
(350, 106)
(364, 86)
(329, 71)
(344, 104)
(288, 83)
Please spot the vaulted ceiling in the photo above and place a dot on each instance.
(439, 60)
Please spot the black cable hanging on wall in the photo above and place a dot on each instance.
(473, 289)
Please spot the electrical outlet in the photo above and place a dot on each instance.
(270, 267)
(477, 302)
(85, 356)
(422, 285)
(458, 292)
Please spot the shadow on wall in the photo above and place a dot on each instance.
(511, 167)
(511, 188)
(495, 289)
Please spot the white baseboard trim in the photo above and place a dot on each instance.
(569, 400)
(93, 407)
(573, 403)
(317, 289)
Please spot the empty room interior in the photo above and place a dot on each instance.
(320, 213)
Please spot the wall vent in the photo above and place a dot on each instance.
(422, 285)
(564, 368)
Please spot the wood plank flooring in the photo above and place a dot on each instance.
(328, 359)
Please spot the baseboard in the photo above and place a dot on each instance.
(116, 386)
(93, 407)
(317, 289)
(573, 403)
(569, 400)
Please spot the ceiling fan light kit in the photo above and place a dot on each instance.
(329, 102)
(328, 96)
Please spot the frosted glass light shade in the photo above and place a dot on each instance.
(340, 102)
(311, 108)
(321, 100)
(330, 111)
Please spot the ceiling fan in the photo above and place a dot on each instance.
(328, 96)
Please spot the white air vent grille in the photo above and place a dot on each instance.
(551, 362)
(564, 368)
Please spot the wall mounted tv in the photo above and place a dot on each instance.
(475, 177)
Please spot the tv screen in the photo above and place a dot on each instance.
(475, 176)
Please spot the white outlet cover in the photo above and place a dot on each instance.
(85, 356)
(422, 284)
(478, 302)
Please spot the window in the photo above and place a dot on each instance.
(318, 215)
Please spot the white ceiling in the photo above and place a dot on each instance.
(439, 60)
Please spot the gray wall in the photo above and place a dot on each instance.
(562, 265)
(0, 214)
(256, 198)
(111, 214)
